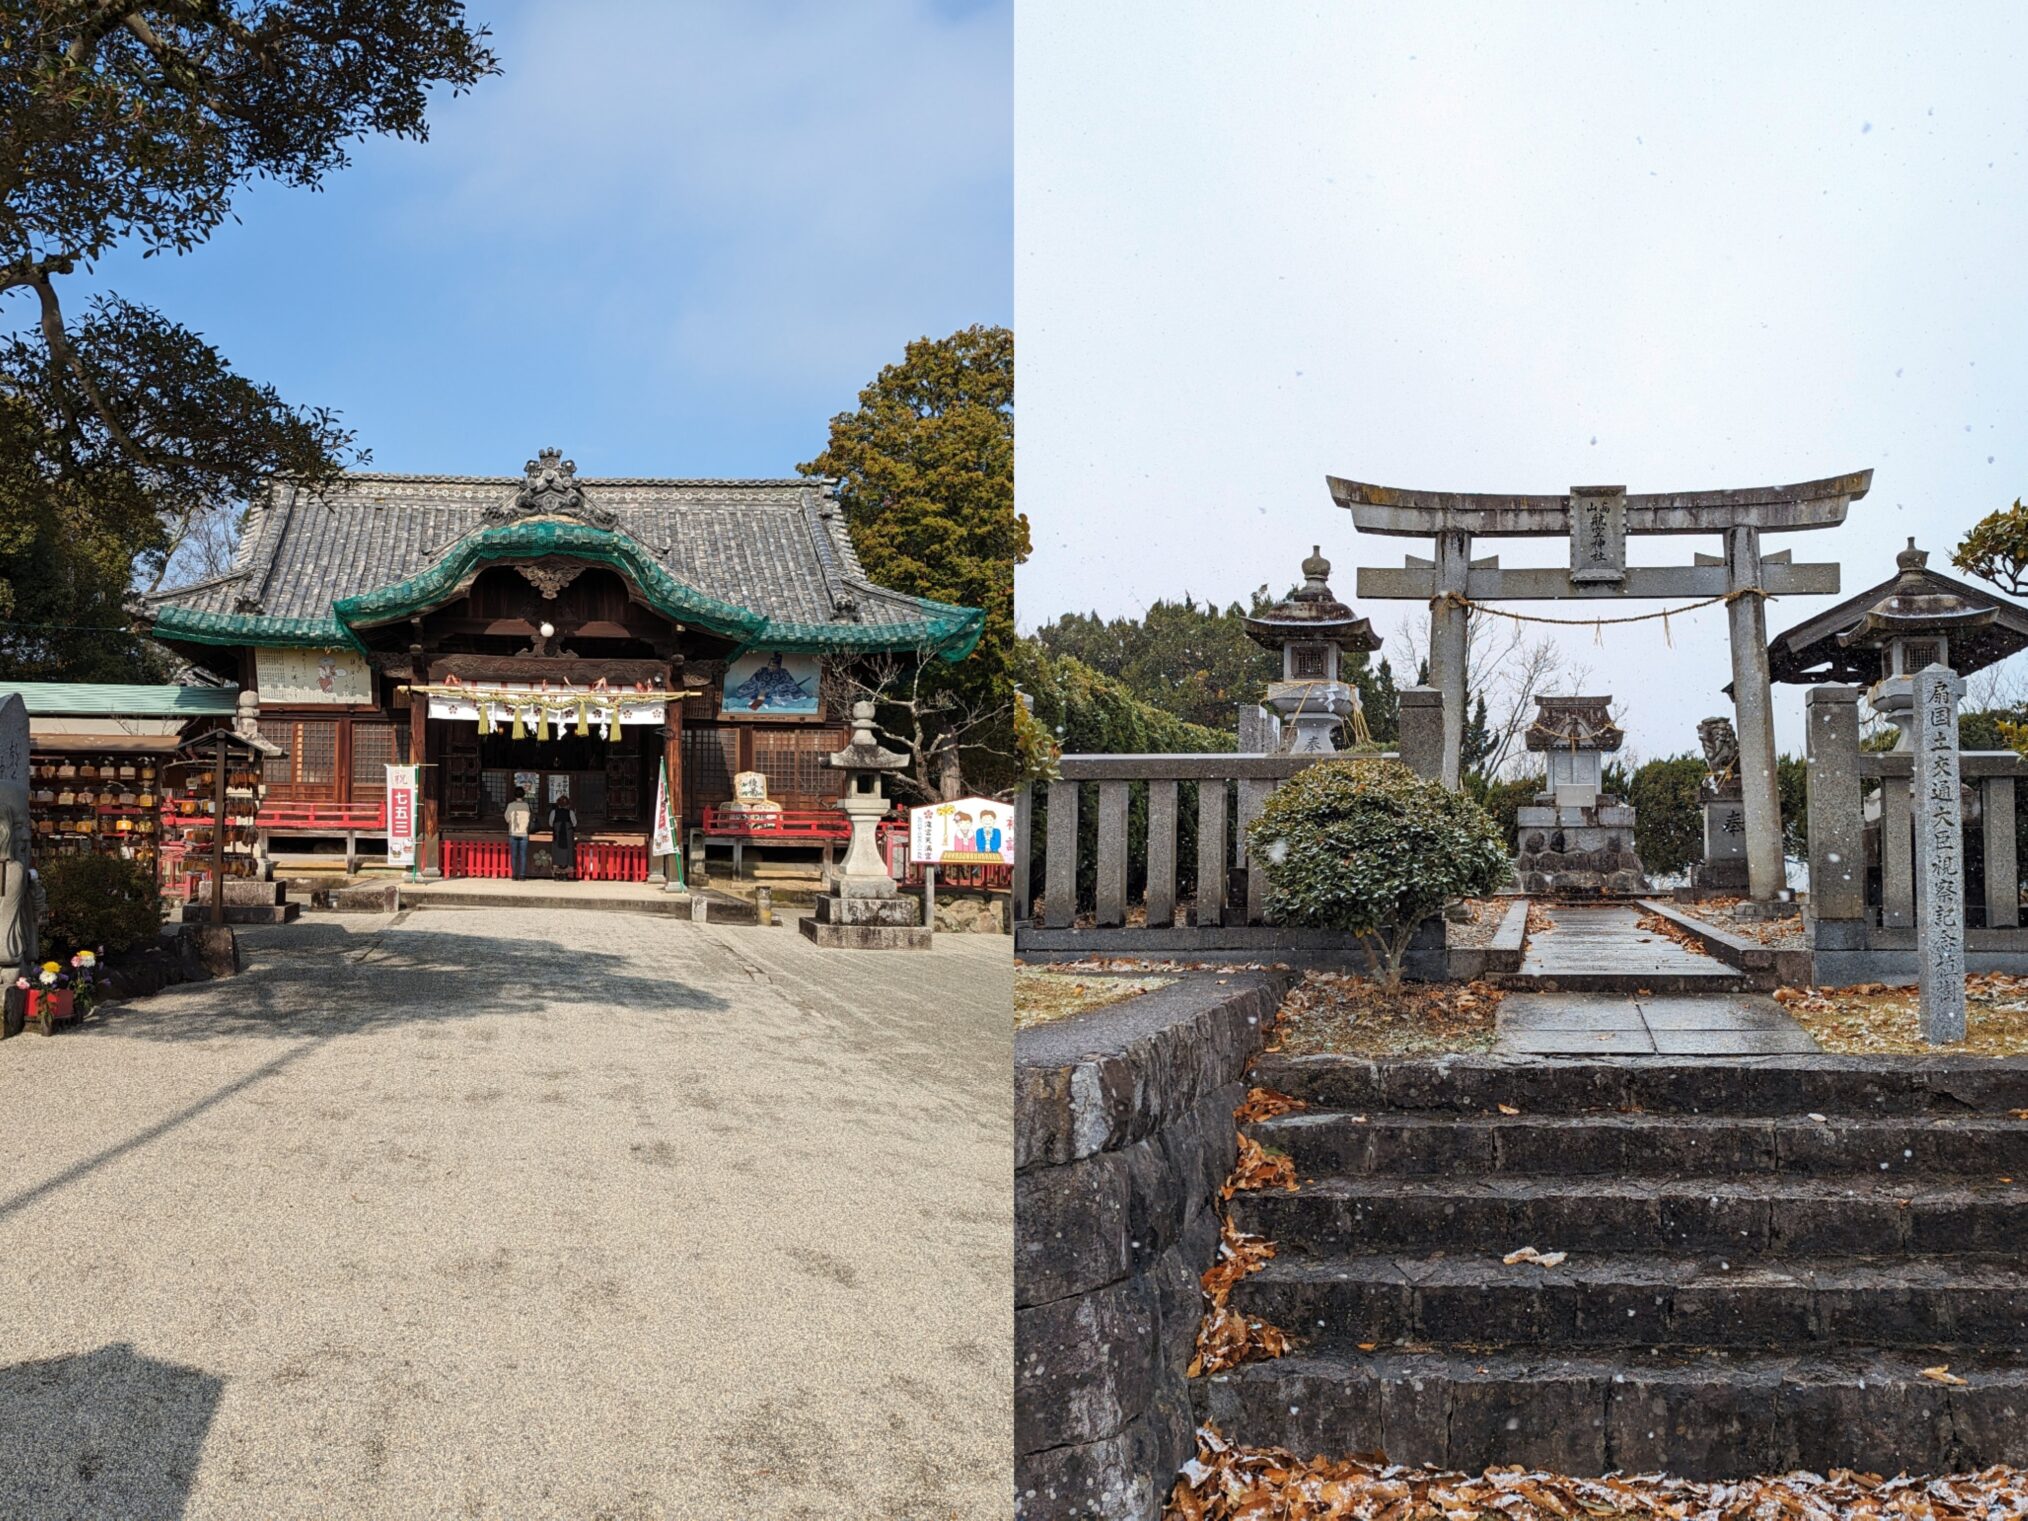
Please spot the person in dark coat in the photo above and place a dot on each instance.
(563, 837)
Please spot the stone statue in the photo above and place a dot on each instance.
(1721, 756)
(18, 894)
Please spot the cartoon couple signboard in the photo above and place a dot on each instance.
(972, 831)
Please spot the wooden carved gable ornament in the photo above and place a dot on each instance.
(549, 489)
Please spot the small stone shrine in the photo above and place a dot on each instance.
(862, 909)
(1723, 868)
(1577, 840)
(1311, 629)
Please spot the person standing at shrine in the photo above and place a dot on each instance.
(563, 837)
(518, 814)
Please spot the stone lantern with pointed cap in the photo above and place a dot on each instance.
(1312, 629)
(1923, 620)
(863, 909)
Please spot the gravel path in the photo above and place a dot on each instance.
(504, 1213)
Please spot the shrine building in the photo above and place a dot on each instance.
(548, 632)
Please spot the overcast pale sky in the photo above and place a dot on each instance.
(1511, 248)
(671, 239)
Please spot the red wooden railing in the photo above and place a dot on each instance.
(597, 860)
(983, 876)
(788, 825)
(319, 818)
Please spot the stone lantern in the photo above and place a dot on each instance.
(863, 910)
(1913, 627)
(1312, 629)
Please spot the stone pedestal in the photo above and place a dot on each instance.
(1577, 852)
(855, 917)
(1724, 868)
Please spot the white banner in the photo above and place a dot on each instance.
(664, 843)
(402, 804)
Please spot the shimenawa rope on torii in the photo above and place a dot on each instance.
(1597, 625)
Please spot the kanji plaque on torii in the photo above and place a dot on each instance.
(1597, 521)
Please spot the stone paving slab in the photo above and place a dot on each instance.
(507, 1213)
(1595, 1024)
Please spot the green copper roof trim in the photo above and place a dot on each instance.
(946, 630)
(194, 627)
(579, 541)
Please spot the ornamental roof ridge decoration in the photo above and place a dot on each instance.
(550, 489)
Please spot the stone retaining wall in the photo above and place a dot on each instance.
(1123, 1132)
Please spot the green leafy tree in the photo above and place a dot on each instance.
(925, 466)
(138, 124)
(1079, 711)
(1194, 659)
(1996, 548)
(1371, 848)
(1668, 800)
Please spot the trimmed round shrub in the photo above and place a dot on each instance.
(1372, 848)
(100, 903)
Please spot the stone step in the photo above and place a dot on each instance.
(1702, 1415)
(1327, 1143)
(1762, 1216)
(1703, 1085)
(1591, 1301)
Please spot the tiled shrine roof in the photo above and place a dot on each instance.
(765, 562)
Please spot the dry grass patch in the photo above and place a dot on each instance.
(1339, 1013)
(1042, 996)
(1873, 1019)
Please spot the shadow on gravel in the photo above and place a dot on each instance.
(105, 1433)
(316, 981)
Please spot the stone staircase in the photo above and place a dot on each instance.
(1764, 1255)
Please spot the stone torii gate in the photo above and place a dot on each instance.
(1597, 521)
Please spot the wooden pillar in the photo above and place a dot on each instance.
(1753, 709)
(672, 758)
(425, 773)
(1448, 624)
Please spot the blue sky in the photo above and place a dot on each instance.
(671, 239)
(1487, 247)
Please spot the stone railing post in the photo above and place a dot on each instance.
(1837, 903)
(1422, 730)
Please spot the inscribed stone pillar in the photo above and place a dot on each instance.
(1754, 714)
(1939, 858)
(1421, 744)
(1837, 823)
(18, 945)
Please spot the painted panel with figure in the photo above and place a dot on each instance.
(774, 683)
